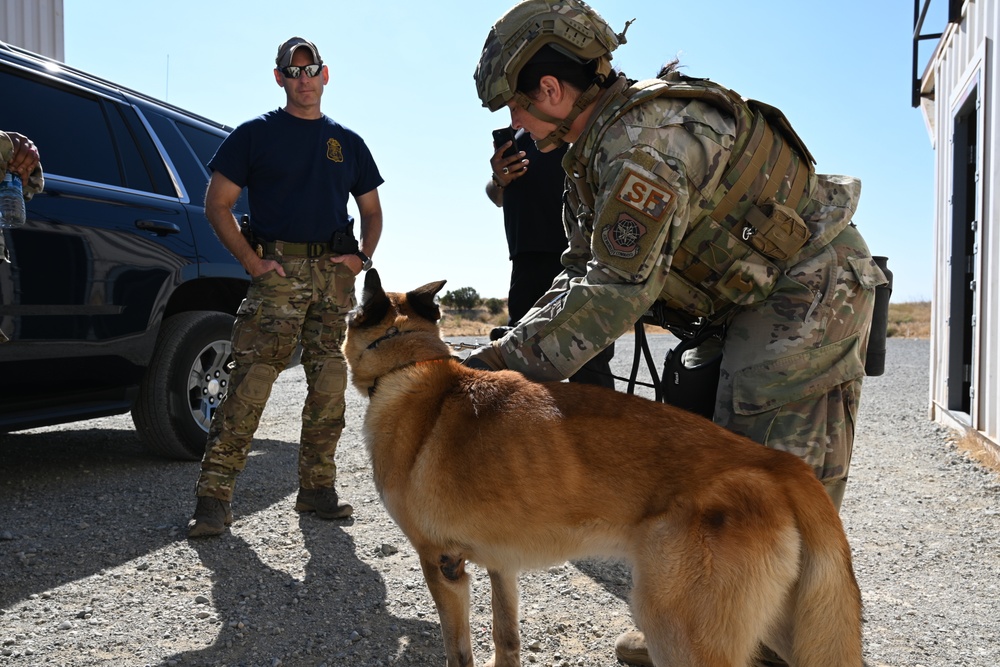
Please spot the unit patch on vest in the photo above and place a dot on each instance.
(621, 238)
(334, 151)
(648, 198)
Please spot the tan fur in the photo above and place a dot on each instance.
(730, 544)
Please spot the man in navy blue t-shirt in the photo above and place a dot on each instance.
(299, 168)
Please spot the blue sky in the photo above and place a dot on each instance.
(401, 76)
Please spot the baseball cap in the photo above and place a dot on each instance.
(287, 50)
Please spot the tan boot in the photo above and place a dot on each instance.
(211, 516)
(324, 502)
(630, 647)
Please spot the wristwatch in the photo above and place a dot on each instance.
(366, 261)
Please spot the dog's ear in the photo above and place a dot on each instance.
(422, 300)
(374, 302)
(373, 286)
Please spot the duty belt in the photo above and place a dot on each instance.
(285, 249)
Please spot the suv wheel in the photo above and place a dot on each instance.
(184, 384)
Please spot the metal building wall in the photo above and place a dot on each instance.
(964, 67)
(36, 25)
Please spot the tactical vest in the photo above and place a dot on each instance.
(750, 226)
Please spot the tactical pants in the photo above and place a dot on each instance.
(308, 305)
(793, 365)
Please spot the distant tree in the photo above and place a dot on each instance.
(494, 305)
(464, 298)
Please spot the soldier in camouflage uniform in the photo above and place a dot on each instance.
(19, 154)
(299, 168)
(692, 202)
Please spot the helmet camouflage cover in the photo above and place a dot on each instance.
(570, 26)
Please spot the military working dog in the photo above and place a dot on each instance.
(730, 544)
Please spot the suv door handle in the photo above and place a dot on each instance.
(159, 227)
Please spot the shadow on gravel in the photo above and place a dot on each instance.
(612, 576)
(336, 615)
(76, 502)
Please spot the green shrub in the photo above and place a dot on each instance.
(464, 298)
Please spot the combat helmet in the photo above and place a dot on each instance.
(571, 27)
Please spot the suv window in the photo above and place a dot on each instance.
(193, 173)
(190, 148)
(140, 171)
(92, 126)
(205, 144)
(54, 118)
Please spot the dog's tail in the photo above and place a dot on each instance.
(825, 617)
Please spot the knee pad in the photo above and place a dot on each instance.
(332, 378)
(256, 386)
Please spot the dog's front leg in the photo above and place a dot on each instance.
(449, 586)
(506, 632)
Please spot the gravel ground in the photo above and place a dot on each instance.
(95, 568)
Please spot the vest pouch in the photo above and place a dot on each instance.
(749, 280)
(775, 230)
(681, 295)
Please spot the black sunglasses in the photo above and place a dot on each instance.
(294, 71)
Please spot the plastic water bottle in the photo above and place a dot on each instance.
(11, 201)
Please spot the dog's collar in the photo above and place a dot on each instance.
(391, 332)
(371, 389)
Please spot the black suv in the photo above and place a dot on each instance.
(117, 295)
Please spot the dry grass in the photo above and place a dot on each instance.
(906, 320)
(909, 320)
(476, 322)
(977, 448)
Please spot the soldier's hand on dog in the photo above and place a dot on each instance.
(486, 358)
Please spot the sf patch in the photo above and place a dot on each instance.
(646, 197)
(622, 237)
(632, 224)
(334, 151)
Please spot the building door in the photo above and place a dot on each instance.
(965, 205)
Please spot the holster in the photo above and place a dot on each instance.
(249, 235)
(343, 242)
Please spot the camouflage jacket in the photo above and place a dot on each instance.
(644, 183)
(35, 183)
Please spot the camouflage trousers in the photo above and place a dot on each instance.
(308, 305)
(793, 365)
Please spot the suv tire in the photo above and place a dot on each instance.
(184, 384)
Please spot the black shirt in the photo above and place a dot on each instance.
(532, 204)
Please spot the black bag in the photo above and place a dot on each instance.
(694, 388)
